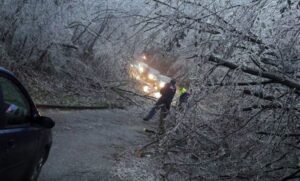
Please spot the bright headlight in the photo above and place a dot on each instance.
(151, 76)
(146, 89)
(162, 84)
(157, 95)
(141, 69)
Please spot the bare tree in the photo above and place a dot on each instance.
(242, 121)
(68, 36)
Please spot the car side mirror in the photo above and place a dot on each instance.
(44, 122)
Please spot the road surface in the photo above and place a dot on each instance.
(87, 144)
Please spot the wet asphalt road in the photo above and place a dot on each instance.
(87, 144)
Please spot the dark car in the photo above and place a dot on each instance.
(25, 136)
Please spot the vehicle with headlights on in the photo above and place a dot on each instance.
(150, 79)
(163, 80)
(153, 78)
(139, 70)
(25, 135)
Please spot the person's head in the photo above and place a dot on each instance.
(173, 81)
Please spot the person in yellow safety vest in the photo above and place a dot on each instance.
(183, 97)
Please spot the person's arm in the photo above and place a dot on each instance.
(163, 90)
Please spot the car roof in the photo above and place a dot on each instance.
(3, 70)
(144, 64)
(154, 71)
(165, 78)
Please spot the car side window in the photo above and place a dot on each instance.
(16, 106)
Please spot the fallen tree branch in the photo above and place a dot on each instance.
(241, 83)
(292, 176)
(276, 134)
(259, 95)
(68, 46)
(140, 152)
(270, 106)
(269, 75)
(133, 93)
(108, 106)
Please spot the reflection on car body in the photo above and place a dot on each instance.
(25, 136)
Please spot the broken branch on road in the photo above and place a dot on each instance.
(269, 75)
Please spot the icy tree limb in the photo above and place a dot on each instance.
(241, 83)
(292, 176)
(269, 75)
(275, 134)
(270, 106)
(259, 95)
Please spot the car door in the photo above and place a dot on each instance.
(18, 139)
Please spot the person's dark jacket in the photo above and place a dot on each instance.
(167, 93)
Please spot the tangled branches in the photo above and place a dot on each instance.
(242, 121)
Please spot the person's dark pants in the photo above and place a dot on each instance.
(181, 104)
(162, 105)
(183, 99)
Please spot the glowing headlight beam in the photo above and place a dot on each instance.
(151, 76)
(157, 95)
(162, 84)
(146, 89)
(141, 69)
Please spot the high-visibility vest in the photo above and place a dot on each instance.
(182, 90)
